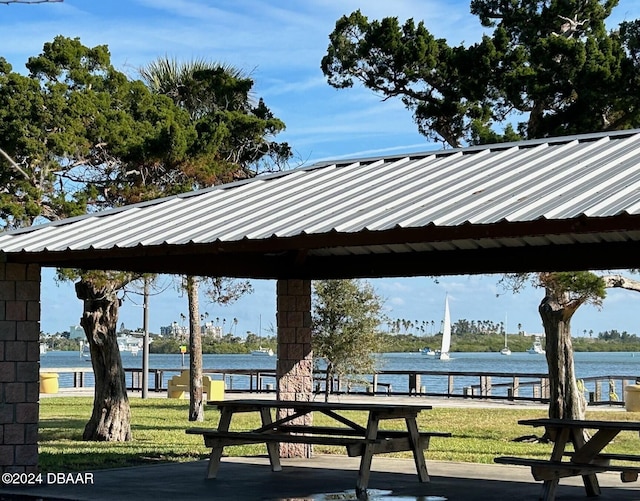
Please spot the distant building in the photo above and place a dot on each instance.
(174, 330)
(180, 331)
(76, 332)
(214, 331)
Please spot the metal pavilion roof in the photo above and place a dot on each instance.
(560, 203)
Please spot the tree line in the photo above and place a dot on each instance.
(387, 342)
(431, 327)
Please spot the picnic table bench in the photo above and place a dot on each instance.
(586, 459)
(363, 441)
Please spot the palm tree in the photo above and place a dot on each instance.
(186, 85)
(211, 92)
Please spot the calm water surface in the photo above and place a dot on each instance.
(587, 364)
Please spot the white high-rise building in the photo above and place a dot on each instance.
(76, 332)
(174, 330)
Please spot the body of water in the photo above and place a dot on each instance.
(586, 364)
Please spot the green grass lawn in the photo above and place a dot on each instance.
(158, 427)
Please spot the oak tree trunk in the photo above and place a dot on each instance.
(566, 399)
(111, 416)
(196, 405)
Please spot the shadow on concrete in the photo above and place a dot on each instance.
(323, 478)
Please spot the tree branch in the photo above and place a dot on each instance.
(13, 164)
(621, 282)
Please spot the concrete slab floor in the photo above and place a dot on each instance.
(322, 478)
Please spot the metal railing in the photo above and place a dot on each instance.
(534, 387)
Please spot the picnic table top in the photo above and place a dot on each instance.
(257, 404)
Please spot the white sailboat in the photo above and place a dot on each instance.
(446, 332)
(505, 350)
(262, 352)
(265, 352)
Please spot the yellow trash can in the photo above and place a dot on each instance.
(632, 398)
(49, 382)
(215, 390)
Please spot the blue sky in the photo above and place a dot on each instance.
(280, 43)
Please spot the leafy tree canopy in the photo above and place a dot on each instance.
(550, 65)
(78, 136)
(345, 319)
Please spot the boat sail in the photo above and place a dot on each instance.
(446, 332)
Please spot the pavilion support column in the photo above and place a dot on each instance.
(294, 370)
(19, 367)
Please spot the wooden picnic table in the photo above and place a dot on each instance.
(585, 458)
(363, 441)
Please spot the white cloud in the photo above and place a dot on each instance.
(395, 301)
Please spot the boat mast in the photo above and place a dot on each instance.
(505, 330)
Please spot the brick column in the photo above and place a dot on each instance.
(295, 359)
(19, 366)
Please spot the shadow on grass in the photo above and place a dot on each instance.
(175, 405)
(56, 432)
(54, 429)
(67, 461)
(182, 423)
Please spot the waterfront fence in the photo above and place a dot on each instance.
(534, 387)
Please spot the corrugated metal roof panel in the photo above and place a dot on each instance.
(595, 176)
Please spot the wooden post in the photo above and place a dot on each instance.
(414, 383)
